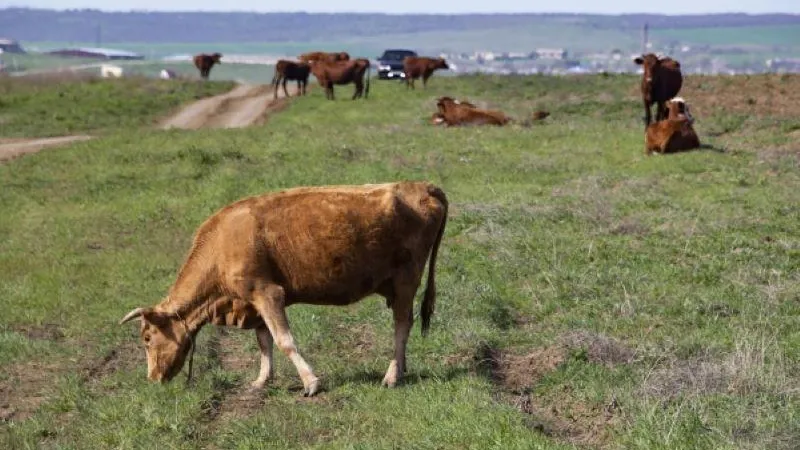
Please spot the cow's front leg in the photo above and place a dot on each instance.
(265, 345)
(270, 304)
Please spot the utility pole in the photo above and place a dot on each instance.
(644, 38)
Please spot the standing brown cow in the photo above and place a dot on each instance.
(661, 80)
(205, 62)
(343, 72)
(421, 66)
(328, 245)
(290, 70)
(324, 56)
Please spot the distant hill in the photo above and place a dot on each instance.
(86, 25)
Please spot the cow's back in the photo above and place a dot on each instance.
(323, 245)
(670, 80)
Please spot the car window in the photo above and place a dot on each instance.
(396, 55)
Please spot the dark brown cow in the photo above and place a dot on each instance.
(327, 245)
(290, 70)
(205, 62)
(343, 72)
(661, 80)
(421, 66)
(673, 134)
(452, 112)
(324, 57)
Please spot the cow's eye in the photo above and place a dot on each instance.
(147, 340)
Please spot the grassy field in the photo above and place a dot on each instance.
(65, 103)
(783, 35)
(588, 295)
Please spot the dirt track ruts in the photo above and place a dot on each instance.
(243, 106)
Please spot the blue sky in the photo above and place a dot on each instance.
(428, 6)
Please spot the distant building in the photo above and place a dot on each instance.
(10, 46)
(97, 53)
(549, 53)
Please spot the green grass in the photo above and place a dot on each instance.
(33, 62)
(251, 73)
(56, 105)
(688, 263)
(784, 35)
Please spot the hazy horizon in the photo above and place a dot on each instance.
(610, 7)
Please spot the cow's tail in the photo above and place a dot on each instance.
(429, 301)
(366, 88)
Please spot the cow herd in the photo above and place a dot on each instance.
(335, 245)
(330, 69)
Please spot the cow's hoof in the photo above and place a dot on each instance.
(388, 383)
(257, 385)
(312, 388)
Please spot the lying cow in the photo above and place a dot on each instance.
(421, 67)
(673, 134)
(453, 112)
(205, 62)
(331, 245)
(343, 72)
(110, 71)
(661, 81)
(167, 74)
(289, 70)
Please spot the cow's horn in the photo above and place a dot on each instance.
(132, 315)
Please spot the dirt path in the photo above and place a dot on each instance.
(11, 148)
(243, 106)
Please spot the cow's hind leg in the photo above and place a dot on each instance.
(265, 345)
(285, 92)
(270, 303)
(401, 300)
(359, 89)
(276, 81)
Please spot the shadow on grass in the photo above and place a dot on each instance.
(412, 377)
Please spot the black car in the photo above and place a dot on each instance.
(390, 64)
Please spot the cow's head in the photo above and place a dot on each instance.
(440, 63)
(650, 63)
(679, 109)
(167, 341)
(443, 103)
(216, 57)
(437, 118)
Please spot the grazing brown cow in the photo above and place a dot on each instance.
(343, 72)
(421, 66)
(290, 70)
(205, 62)
(328, 245)
(324, 56)
(452, 112)
(673, 134)
(661, 80)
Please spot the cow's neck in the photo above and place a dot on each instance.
(193, 314)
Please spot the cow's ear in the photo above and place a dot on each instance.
(638, 60)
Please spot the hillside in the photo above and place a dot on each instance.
(37, 25)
